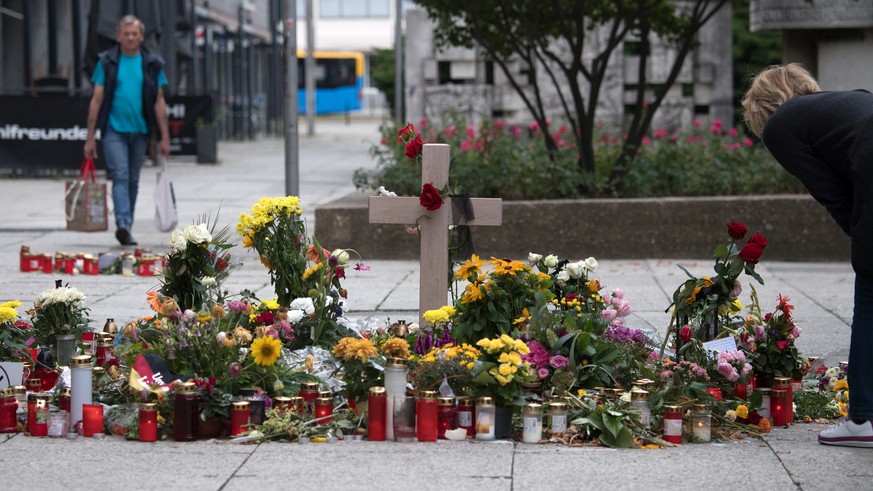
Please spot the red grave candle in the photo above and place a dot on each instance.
(427, 416)
(673, 424)
(447, 415)
(377, 407)
(323, 408)
(148, 422)
(92, 419)
(784, 383)
(465, 412)
(240, 415)
(779, 407)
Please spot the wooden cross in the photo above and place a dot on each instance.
(434, 227)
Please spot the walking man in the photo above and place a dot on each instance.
(128, 108)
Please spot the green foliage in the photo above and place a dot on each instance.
(382, 73)
(497, 160)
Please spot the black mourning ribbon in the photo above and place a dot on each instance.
(462, 237)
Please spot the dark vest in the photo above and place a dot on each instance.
(151, 68)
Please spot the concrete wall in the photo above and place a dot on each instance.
(796, 227)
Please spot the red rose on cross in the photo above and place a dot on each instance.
(430, 197)
(737, 230)
(413, 148)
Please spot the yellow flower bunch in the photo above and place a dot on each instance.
(464, 355)
(8, 312)
(351, 348)
(509, 362)
(395, 347)
(265, 211)
(438, 316)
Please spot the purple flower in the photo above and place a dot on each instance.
(543, 373)
(760, 335)
(620, 334)
(361, 267)
(558, 361)
(237, 306)
(332, 261)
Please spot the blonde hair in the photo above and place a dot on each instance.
(131, 19)
(772, 87)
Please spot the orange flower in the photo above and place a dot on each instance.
(312, 254)
(765, 425)
(153, 298)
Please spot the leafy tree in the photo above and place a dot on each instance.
(753, 51)
(382, 72)
(553, 36)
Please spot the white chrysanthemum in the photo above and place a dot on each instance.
(305, 304)
(295, 316)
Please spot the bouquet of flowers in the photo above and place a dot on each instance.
(497, 302)
(437, 331)
(198, 261)
(769, 340)
(58, 311)
(448, 362)
(15, 335)
(276, 232)
(500, 370)
(359, 357)
(698, 302)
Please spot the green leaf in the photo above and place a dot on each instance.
(623, 439)
(612, 423)
(721, 251)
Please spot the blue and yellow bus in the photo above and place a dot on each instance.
(339, 81)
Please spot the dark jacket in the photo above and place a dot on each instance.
(151, 69)
(826, 141)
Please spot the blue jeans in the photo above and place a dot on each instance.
(861, 351)
(124, 154)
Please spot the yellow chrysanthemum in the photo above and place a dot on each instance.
(436, 316)
(396, 347)
(266, 350)
(470, 266)
(13, 304)
(451, 353)
(470, 365)
(271, 304)
(841, 385)
(742, 411)
(7, 314)
(449, 310)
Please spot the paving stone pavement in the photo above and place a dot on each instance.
(787, 458)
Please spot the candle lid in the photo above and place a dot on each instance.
(701, 408)
(639, 395)
(309, 385)
(186, 388)
(536, 384)
(463, 400)
(378, 390)
(239, 405)
(295, 400)
(7, 392)
(148, 406)
(80, 361)
(446, 401)
(427, 394)
(105, 342)
(324, 401)
(66, 392)
(99, 370)
(781, 380)
(37, 396)
(673, 408)
(325, 393)
(765, 390)
(281, 400)
(533, 408)
(557, 406)
(397, 362)
(485, 401)
(778, 393)
(19, 390)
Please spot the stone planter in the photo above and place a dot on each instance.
(796, 226)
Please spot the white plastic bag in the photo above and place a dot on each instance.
(166, 217)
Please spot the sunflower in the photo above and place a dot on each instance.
(470, 266)
(266, 350)
(472, 293)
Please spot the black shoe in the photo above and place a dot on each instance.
(124, 237)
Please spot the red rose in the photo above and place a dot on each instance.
(685, 334)
(737, 230)
(782, 344)
(758, 239)
(413, 148)
(340, 272)
(751, 252)
(405, 131)
(430, 198)
(754, 417)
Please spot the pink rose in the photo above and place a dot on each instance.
(782, 344)
(558, 361)
(609, 314)
(685, 334)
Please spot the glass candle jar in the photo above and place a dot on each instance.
(240, 414)
(104, 351)
(81, 386)
(427, 424)
(779, 407)
(673, 424)
(8, 408)
(466, 408)
(558, 417)
(640, 402)
(186, 413)
(532, 423)
(24, 259)
(37, 414)
(47, 264)
(486, 416)
(395, 386)
(297, 405)
(447, 415)
(701, 423)
(784, 383)
(57, 424)
(92, 419)
(377, 403)
(309, 393)
(281, 405)
(148, 422)
(324, 409)
(764, 410)
(403, 418)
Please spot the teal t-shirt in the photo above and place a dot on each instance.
(126, 115)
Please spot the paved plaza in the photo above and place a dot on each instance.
(787, 458)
